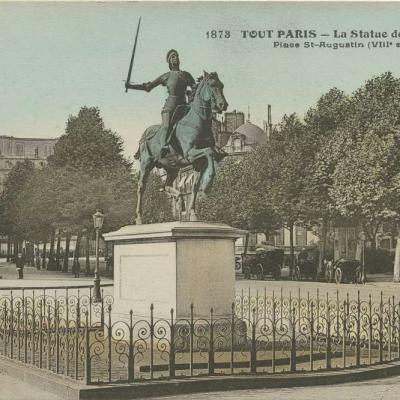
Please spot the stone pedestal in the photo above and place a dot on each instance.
(172, 265)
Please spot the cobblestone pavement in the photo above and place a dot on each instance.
(15, 389)
(382, 389)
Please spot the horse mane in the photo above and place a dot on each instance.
(199, 82)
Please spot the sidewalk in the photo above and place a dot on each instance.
(34, 277)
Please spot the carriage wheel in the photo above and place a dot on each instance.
(297, 273)
(246, 272)
(338, 275)
(260, 272)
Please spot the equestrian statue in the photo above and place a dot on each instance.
(184, 137)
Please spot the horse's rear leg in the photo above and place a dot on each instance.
(176, 194)
(145, 170)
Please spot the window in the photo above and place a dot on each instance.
(301, 236)
(37, 152)
(19, 149)
(237, 145)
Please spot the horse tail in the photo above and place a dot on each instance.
(148, 134)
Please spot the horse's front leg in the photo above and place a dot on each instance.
(143, 176)
(204, 179)
(176, 194)
(195, 189)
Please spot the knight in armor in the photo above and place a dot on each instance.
(177, 83)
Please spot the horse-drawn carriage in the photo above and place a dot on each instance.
(307, 264)
(263, 263)
(345, 270)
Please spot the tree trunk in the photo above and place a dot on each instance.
(15, 249)
(291, 243)
(87, 272)
(50, 265)
(58, 250)
(322, 245)
(396, 272)
(8, 248)
(77, 248)
(44, 255)
(66, 254)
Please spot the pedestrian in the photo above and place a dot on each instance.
(76, 268)
(20, 263)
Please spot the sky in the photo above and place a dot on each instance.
(58, 57)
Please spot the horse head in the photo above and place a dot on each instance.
(211, 90)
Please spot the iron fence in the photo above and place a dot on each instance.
(70, 334)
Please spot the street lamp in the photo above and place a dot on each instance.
(98, 219)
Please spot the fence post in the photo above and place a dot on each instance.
(131, 370)
(76, 344)
(57, 328)
(19, 330)
(358, 332)
(172, 347)
(273, 331)
(41, 335)
(211, 350)
(66, 367)
(151, 341)
(88, 366)
(312, 337)
(390, 329)
(109, 337)
(5, 312)
(102, 308)
(11, 326)
(381, 329)
(253, 355)
(25, 303)
(328, 337)
(33, 330)
(293, 340)
(232, 334)
(344, 332)
(48, 337)
(191, 338)
(370, 330)
(398, 330)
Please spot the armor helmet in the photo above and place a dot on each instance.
(169, 54)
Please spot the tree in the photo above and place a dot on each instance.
(230, 200)
(88, 146)
(282, 166)
(322, 122)
(14, 188)
(365, 178)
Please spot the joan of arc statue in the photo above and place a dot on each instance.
(177, 83)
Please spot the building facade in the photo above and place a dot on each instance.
(13, 150)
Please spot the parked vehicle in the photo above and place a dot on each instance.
(307, 264)
(345, 270)
(264, 262)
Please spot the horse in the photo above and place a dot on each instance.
(191, 144)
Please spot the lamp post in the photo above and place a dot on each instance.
(98, 219)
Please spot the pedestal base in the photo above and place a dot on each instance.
(173, 265)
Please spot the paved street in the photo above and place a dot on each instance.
(15, 389)
(34, 277)
(382, 389)
(388, 288)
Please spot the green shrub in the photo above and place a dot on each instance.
(378, 260)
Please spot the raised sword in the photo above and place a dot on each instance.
(128, 78)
